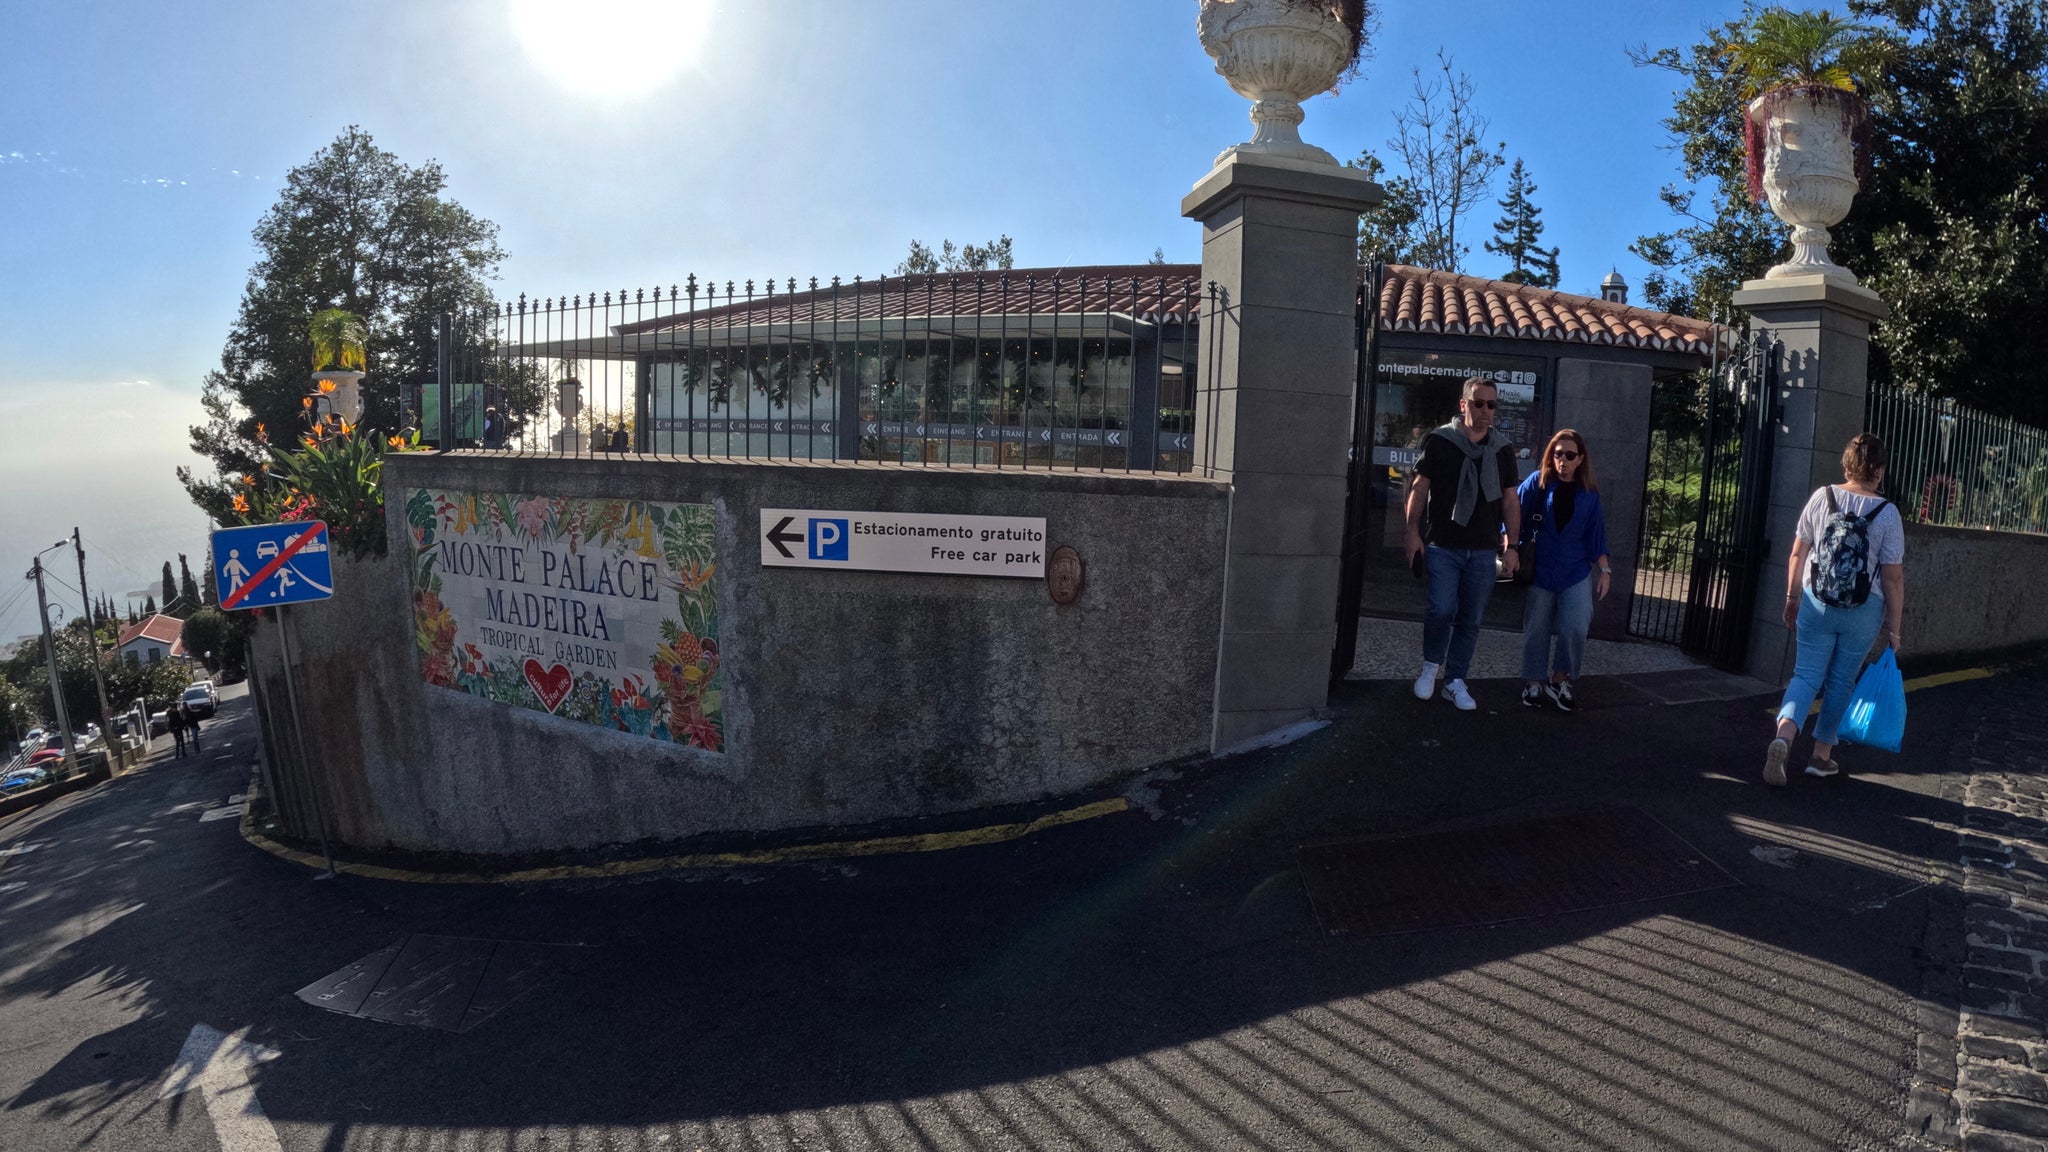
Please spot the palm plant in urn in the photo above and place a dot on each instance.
(1808, 79)
(339, 338)
(1277, 53)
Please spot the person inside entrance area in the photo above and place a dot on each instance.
(1462, 496)
(1844, 588)
(1561, 517)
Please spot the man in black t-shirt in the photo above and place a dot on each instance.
(1464, 490)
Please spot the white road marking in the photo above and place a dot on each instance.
(223, 813)
(219, 1066)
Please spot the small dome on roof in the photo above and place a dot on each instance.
(1614, 280)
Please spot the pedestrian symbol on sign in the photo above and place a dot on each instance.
(828, 539)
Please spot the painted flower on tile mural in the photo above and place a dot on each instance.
(434, 632)
(533, 516)
(686, 667)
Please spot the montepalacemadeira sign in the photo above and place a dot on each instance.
(602, 611)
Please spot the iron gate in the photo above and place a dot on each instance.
(1358, 525)
(1705, 510)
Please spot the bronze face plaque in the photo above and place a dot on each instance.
(1063, 575)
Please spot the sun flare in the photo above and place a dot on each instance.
(614, 50)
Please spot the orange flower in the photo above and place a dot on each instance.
(346, 428)
(395, 441)
(305, 402)
(310, 442)
(249, 480)
(241, 503)
(326, 386)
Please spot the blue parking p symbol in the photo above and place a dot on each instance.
(828, 539)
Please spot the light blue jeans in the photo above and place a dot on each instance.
(1832, 645)
(1566, 615)
(1460, 584)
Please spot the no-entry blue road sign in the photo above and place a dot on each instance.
(265, 565)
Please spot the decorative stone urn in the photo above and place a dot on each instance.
(1806, 136)
(346, 401)
(1275, 53)
(569, 402)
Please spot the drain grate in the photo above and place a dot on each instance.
(1473, 876)
(452, 983)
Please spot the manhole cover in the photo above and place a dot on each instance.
(1506, 872)
(453, 983)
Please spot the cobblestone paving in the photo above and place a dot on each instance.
(2000, 972)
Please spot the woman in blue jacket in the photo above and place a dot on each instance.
(1561, 513)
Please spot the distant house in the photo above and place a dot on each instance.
(153, 640)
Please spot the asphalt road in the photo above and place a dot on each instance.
(1155, 979)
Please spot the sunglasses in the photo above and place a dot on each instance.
(1487, 404)
(1565, 454)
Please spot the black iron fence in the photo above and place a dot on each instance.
(1085, 369)
(1958, 466)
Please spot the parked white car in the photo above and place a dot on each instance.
(200, 699)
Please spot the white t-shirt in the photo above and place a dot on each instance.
(1887, 532)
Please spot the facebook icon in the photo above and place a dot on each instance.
(828, 539)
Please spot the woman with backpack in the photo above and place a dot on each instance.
(1562, 518)
(1844, 587)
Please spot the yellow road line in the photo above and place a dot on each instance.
(830, 850)
(1919, 682)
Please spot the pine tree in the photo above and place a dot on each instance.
(170, 587)
(149, 605)
(1518, 234)
(206, 592)
(132, 618)
(188, 589)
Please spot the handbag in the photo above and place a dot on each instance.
(1525, 568)
(1877, 709)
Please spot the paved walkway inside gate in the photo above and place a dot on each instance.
(1392, 650)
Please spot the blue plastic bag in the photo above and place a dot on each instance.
(1877, 709)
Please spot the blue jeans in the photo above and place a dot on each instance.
(1832, 645)
(1460, 583)
(1566, 615)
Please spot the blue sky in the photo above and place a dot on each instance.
(141, 142)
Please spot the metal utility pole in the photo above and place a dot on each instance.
(50, 654)
(99, 678)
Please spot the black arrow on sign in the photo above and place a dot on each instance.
(778, 537)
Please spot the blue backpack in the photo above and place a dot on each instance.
(1839, 572)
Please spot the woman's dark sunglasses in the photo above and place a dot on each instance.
(1565, 454)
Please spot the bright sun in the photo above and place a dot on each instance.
(611, 49)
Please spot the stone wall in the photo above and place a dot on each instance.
(1970, 591)
(850, 697)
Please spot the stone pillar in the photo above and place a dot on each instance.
(1279, 362)
(1822, 325)
(1609, 403)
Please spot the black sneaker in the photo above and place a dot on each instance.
(1532, 696)
(1560, 695)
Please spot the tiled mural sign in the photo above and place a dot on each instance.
(594, 610)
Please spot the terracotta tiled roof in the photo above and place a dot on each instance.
(1423, 300)
(160, 628)
(1411, 300)
(1152, 292)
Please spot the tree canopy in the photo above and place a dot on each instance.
(355, 229)
(924, 261)
(1952, 227)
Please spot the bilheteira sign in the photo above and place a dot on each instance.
(904, 542)
(595, 610)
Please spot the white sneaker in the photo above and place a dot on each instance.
(1455, 692)
(1425, 684)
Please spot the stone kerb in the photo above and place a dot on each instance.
(848, 698)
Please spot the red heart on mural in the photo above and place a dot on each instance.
(552, 684)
